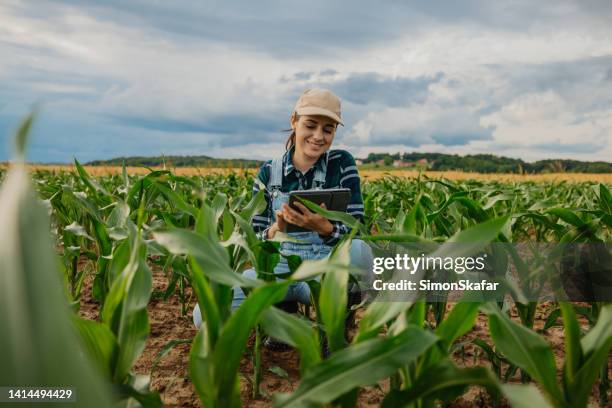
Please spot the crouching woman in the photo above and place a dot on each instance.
(308, 163)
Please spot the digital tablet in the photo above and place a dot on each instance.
(335, 199)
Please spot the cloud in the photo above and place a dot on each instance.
(120, 78)
(418, 125)
(373, 88)
(547, 124)
(222, 130)
(328, 72)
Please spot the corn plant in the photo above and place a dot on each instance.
(583, 360)
(38, 346)
(197, 231)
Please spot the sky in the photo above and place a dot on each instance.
(522, 79)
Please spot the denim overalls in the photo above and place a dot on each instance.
(310, 247)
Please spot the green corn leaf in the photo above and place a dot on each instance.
(140, 392)
(79, 198)
(208, 303)
(443, 381)
(201, 368)
(99, 341)
(268, 256)
(218, 206)
(551, 320)
(309, 269)
(119, 215)
(21, 137)
(471, 240)
(525, 348)
(125, 311)
(568, 216)
(459, 321)
(238, 240)
(418, 314)
(91, 183)
(440, 210)
(410, 222)
(35, 320)
(399, 220)
(78, 230)
(144, 184)
(249, 235)
(210, 255)
(596, 345)
(121, 257)
(605, 199)
(363, 363)
(294, 331)
(228, 224)
(341, 216)
(573, 349)
(376, 315)
(498, 198)
(600, 335)
(175, 199)
(279, 372)
(333, 297)
(255, 206)
(524, 396)
(205, 222)
(233, 338)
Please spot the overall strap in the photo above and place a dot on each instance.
(276, 175)
(319, 178)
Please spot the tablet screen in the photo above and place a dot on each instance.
(336, 199)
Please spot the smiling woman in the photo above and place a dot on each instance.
(308, 163)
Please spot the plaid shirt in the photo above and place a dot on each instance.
(341, 173)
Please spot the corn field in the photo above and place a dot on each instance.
(61, 230)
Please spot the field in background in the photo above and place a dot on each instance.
(366, 174)
(136, 253)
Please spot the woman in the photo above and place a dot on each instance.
(307, 164)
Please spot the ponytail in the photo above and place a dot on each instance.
(291, 139)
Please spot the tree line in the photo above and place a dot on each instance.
(484, 163)
(481, 163)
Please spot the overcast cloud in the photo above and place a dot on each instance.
(515, 78)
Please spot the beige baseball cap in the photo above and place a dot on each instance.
(319, 102)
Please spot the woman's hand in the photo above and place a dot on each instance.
(307, 219)
(279, 225)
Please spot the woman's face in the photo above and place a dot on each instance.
(313, 135)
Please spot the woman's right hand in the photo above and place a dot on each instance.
(279, 225)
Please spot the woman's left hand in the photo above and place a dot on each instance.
(307, 219)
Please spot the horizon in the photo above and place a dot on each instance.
(514, 79)
(250, 159)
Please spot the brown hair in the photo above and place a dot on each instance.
(291, 139)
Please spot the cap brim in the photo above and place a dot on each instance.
(319, 111)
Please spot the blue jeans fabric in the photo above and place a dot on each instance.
(360, 258)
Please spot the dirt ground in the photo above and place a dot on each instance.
(171, 379)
